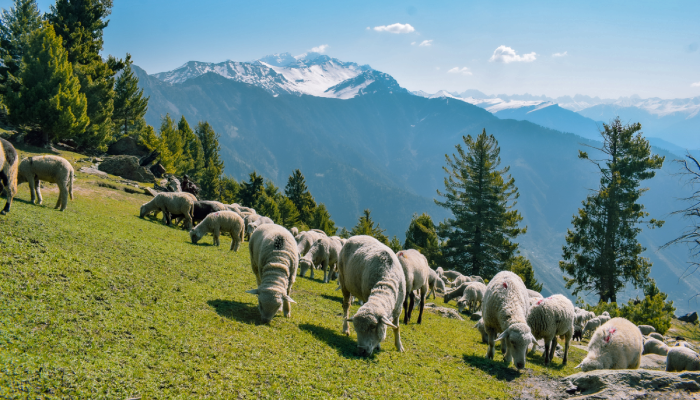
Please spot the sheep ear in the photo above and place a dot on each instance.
(289, 299)
(388, 322)
(503, 335)
(252, 291)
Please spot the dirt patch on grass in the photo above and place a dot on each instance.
(541, 387)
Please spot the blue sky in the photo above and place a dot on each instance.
(607, 49)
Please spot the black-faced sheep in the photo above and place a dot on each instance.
(9, 163)
(505, 309)
(324, 253)
(416, 271)
(47, 168)
(549, 318)
(371, 272)
(274, 260)
(617, 344)
(217, 222)
(171, 203)
(681, 358)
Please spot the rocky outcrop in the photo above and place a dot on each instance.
(443, 311)
(126, 167)
(127, 146)
(690, 317)
(632, 384)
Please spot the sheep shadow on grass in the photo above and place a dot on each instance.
(241, 312)
(497, 369)
(339, 299)
(344, 345)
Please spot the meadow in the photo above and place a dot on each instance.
(98, 303)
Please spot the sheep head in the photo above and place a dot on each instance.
(461, 304)
(269, 303)
(194, 236)
(517, 338)
(304, 265)
(143, 211)
(590, 363)
(371, 330)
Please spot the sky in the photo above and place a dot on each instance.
(553, 48)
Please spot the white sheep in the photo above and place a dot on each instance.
(294, 231)
(435, 283)
(455, 293)
(217, 222)
(416, 271)
(274, 260)
(480, 326)
(477, 278)
(47, 168)
(655, 346)
(681, 358)
(617, 344)
(440, 272)
(451, 274)
(657, 336)
(603, 318)
(592, 325)
(324, 252)
(171, 203)
(646, 329)
(460, 280)
(306, 239)
(505, 309)
(549, 318)
(532, 293)
(371, 272)
(472, 297)
(9, 163)
(251, 227)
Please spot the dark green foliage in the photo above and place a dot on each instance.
(229, 190)
(365, 226)
(267, 206)
(130, 105)
(602, 252)
(422, 236)
(395, 244)
(299, 194)
(209, 180)
(172, 147)
(251, 190)
(482, 199)
(288, 213)
(344, 233)
(522, 267)
(16, 27)
(49, 98)
(321, 219)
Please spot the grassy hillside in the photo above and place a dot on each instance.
(97, 303)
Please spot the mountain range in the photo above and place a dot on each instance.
(363, 141)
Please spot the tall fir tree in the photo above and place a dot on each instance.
(49, 98)
(482, 199)
(16, 27)
(602, 253)
(321, 219)
(213, 165)
(366, 226)
(130, 105)
(229, 190)
(171, 149)
(422, 236)
(251, 190)
(267, 206)
(191, 158)
(299, 194)
(288, 213)
(522, 267)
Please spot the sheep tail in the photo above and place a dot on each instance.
(70, 184)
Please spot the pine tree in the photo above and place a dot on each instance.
(229, 190)
(344, 233)
(130, 105)
(267, 206)
(522, 267)
(602, 253)
(188, 161)
(299, 194)
(213, 166)
(482, 199)
(171, 148)
(321, 219)
(422, 236)
(49, 97)
(16, 27)
(395, 244)
(288, 213)
(251, 190)
(365, 226)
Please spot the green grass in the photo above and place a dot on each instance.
(98, 303)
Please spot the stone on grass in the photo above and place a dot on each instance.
(126, 167)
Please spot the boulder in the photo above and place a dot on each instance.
(92, 171)
(443, 311)
(127, 146)
(158, 170)
(628, 384)
(690, 317)
(126, 167)
(653, 361)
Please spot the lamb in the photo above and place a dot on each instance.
(371, 272)
(251, 227)
(306, 239)
(173, 203)
(592, 325)
(456, 293)
(617, 344)
(532, 293)
(323, 252)
(416, 271)
(274, 260)
(480, 326)
(472, 297)
(53, 169)
(682, 359)
(549, 318)
(655, 346)
(9, 164)
(451, 274)
(460, 280)
(220, 221)
(504, 309)
(434, 282)
(646, 329)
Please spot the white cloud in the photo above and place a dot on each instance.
(319, 49)
(413, 43)
(507, 55)
(395, 28)
(696, 84)
(564, 54)
(426, 43)
(457, 70)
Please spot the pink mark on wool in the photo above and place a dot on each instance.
(609, 336)
(540, 302)
(400, 254)
(505, 285)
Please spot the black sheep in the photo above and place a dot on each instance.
(201, 210)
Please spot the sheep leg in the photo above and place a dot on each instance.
(411, 305)
(287, 308)
(432, 290)
(188, 221)
(347, 300)
(397, 334)
(405, 310)
(422, 303)
(492, 343)
(547, 344)
(33, 184)
(216, 234)
(508, 356)
(326, 272)
(567, 340)
(62, 197)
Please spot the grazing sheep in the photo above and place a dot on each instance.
(248, 219)
(455, 293)
(201, 210)
(617, 344)
(646, 329)
(578, 333)
(171, 203)
(505, 309)
(592, 325)
(294, 231)
(371, 272)
(251, 227)
(480, 326)
(477, 278)
(549, 318)
(440, 272)
(305, 240)
(324, 252)
(532, 293)
(220, 221)
(655, 346)
(9, 162)
(416, 271)
(451, 274)
(657, 336)
(53, 169)
(682, 359)
(460, 280)
(603, 318)
(434, 282)
(472, 297)
(248, 210)
(274, 260)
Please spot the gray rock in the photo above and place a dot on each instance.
(632, 384)
(127, 146)
(443, 311)
(126, 167)
(690, 317)
(92, 171)
(653, 361)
